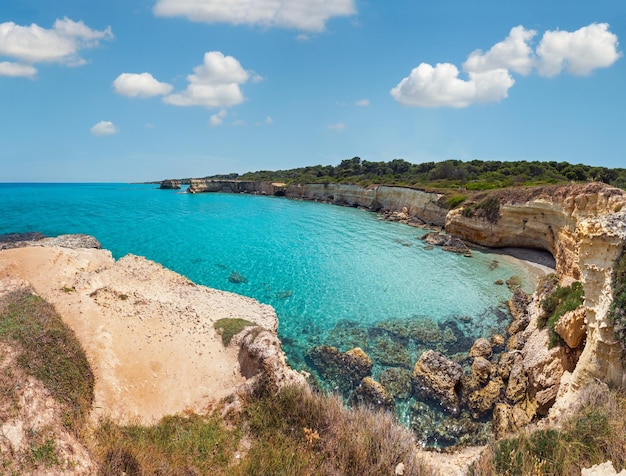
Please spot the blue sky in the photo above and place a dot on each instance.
(134, 90)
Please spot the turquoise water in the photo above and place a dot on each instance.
(333, 274)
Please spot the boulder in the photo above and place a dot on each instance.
(481, 348)
(509, 419)
(571, 327)
(371, 393)
(517, 382)
(436, 377)
(345, 370)
(506, 362)
(483, 400)
(481, 369)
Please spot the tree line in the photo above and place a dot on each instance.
(471, 175)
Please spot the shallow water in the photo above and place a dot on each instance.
(335, 275)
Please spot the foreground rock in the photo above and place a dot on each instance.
(438, 378)
(147, 331)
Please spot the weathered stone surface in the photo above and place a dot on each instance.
(571, 327)
(342, 369)
(21, 240)
(447, 242)
(386, 351)
(509, 419)
(506, 362)
(604, 469)
(436, 377)
(481, 348)
(518, 305)
(483, 400)
(481, 369)
(517, 382)
(371, 393)
(170, 184)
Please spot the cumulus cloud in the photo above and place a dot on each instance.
(17, 70)
(429, 86)
(140, 85)
(104, 128)
(306, 15)
(578, 52)
(214, 84)
(60, 44)
(513, 53)
(218, 119)
(489, 74)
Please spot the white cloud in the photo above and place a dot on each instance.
(214, 84)
(104, 128)
(306, 15)
(218, 119)
(438, 86)
(339, 126)
(489, 74)
(578, 52)
(268, 120)
(513, 53)
(17, 70)
(60, 44)
(140, 85)
(362, 102)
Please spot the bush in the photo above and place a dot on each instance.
(592, 434)
(557, 303)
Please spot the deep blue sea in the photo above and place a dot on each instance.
(335, 275)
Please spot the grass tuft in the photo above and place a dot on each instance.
(230, 327)
(50, 352)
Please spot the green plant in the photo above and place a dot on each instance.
(50, 352)
(489, 209)
(593, 433)
(556, 304)
(454, 201)
(230, 327)
(617, 312)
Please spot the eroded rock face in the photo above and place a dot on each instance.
(437, 377)
(571, 327)
(172, 184)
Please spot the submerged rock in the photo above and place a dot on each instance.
(436, 377)
(237, 278)
(348, 334)
(397, 381)
(344, 370)
(372, 394)
(385, 351)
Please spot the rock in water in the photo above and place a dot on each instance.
(436, 377)
(372, 394)
(237, 278)
(345, 370)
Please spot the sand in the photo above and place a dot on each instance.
(147, 331)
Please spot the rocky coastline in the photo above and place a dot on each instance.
(583, 226)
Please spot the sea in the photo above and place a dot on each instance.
(336, 276)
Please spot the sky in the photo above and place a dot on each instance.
(142, 90)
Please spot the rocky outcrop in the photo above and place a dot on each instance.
(343, 370)
(236, 186)
(537, 217)
(438, 378)
(371, 393)
(172, 184)
(22, 240)
(418, 203)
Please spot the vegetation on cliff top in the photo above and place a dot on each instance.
(449, 174)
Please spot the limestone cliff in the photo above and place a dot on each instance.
(420, 204)
(537, 217)
(236, 186)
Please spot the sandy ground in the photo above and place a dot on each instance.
(148, 332)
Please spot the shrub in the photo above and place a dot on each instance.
(617, 312)
(557, 303)
(592, 434)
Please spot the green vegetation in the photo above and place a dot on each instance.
(473, 175)
(230, 327)
(177, 445)
(593, 434)
(50, 352)
(557, 303)
(617, 313)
